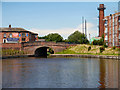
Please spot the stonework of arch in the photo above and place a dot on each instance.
(32, 49)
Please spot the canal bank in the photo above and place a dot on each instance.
(68, 55)
(16, 56)
(87, 56)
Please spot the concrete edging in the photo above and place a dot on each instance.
(86, 56)
(68, 55)
(17, 56)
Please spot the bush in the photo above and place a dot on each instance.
(51, 51)
(105, 46)
(89, 48)
(102, 49)
(96, 42)
(114, 47)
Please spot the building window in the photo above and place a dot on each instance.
(35, 36)
(4, 35)
(119, 18)
(110, 31)
(106, 31)
(26, 34)
(30, 36)
(19, 35)
(23, 39)
(116, 31)
(105, 26)
(106, 21)
(106, 38)
(116, 28)
(110, 24)
(10, 35)
(23, 34)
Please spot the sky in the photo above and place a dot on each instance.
(54, 17)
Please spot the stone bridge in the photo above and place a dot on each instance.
(40, 48)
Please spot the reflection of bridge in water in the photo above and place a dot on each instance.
(40, 48)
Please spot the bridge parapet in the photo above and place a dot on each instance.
(25, 44)
(39, 43)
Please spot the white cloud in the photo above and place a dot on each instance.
(65, 32)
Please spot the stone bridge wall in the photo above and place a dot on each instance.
(30, 47)
(57, 47)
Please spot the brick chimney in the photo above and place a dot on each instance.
(9, 26)
(101, 9)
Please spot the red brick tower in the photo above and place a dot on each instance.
(101, 9)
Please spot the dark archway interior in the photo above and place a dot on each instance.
(42, 51)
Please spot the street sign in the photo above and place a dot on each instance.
(12, 40)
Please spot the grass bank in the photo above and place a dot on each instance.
(94, 50)
(10, 52)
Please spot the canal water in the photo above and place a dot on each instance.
(59, 73)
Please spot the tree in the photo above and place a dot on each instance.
(78, 37)
(99, 42)
(96, 42)
(54, 37)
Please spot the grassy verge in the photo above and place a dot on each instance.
(10, 52)
(95, 50)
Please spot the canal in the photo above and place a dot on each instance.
(59, 73)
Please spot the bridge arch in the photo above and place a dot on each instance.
(42, 51)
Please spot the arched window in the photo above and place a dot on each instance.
(10, 35)
(4, 35)
(23, 34)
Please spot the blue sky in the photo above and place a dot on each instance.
(54, 17)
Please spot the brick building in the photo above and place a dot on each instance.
(17, 35)
(101, 9)
(112, 30)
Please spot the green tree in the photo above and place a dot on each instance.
(99, 42)
(54, 37)
(78, 37)
(96, 42)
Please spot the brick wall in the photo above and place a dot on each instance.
(26, 37)
(17, 46)
(113, 30)
(101, 17)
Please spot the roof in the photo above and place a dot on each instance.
(15, 30)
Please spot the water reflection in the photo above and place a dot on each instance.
(60, 73)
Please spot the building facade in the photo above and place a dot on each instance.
(17, 35)
(112, 30)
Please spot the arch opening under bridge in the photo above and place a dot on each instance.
(43, 51)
